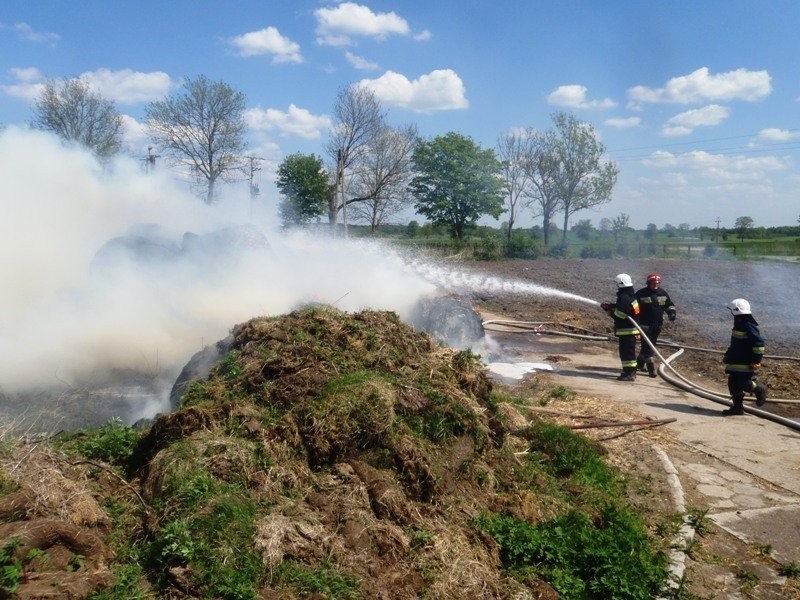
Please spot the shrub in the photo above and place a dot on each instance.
(522, 245)
(112, 442)
(489, 248)
(558, 251)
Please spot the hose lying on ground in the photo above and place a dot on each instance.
(675, 379)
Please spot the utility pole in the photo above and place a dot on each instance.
(717, 238)
(253, 168)
(340, 178)
(150, 160)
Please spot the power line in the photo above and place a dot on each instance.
(790, 145)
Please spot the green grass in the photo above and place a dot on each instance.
(599, 548)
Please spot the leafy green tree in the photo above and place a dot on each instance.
(72, 111)
(620, 226)
(457, 182)
(583, 229)
(202, 128)
(582, 178)
(741, 225)
(303, 184)
(651, 231)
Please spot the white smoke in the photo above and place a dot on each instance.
(62, 317)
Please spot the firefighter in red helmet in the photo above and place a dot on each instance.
(654, 302)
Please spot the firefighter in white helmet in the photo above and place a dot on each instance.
(743, 358)
(627, 333)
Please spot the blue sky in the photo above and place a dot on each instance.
(697, 102)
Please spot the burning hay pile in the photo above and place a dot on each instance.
(351, 456)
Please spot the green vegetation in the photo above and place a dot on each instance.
(600, 548)
(13, 569)
(112, 442)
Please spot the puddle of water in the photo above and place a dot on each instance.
(516, 370)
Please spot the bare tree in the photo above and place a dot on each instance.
(515, 151)
(582, 179)
(358, 118)
(201, 128)
(381, 175)
(71, 110)
(543, 191)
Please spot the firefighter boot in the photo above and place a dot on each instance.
(651, 368)
(628, 374)
(761, 394)
(640, 362)
(737, 408)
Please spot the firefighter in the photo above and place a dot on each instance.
(743, 358)
(626, 331)
(654, 301)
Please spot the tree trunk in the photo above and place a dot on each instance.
(546, 230)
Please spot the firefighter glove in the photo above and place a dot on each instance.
(672, 316)
(755, 366)
(605, 306)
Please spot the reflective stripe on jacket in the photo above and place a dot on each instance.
(625, 306)
(746, 347)
(653, 305)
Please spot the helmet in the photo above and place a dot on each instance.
(623, 280)
(654, 278)
(740, 306)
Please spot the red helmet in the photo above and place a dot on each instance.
(654, 278)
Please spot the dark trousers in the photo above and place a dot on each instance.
(627, 351)
(652, 332)
(740, 384)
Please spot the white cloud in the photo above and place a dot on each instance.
(268, 41)
(360, 63)
(622, 123)
(136, 137)
(26, 32)
(127, 86)
(574, 96)
(124, 86)
(28, 86)
(423, 36)
(699, 86)
(774, 134)
(718, 167)
(295, 121)
(438, 90)
(685, 122)
(337, 26)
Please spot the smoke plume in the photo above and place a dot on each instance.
(105, 269)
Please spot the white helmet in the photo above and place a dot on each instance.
(623, 280)
(740, 306)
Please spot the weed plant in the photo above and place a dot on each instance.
(599, 551)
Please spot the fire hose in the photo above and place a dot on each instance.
(665, 370)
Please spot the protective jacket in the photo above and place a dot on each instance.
(625, 306)
(653, 304)
(746, 348)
